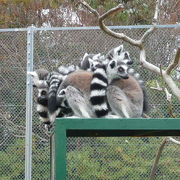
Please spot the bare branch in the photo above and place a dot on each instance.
(146, 64)
(174, 63)
(108, 31)
(158, 88)
(154, 22)
(173, 140)
(168, 97)
(85, 4)
(153, 170)
(169, 81)
(139, 43)
(155, 19)
(159, 152)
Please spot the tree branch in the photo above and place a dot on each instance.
(86, 5)
(159, 152)
(138, 43)
(168, 98)
(174, 140)
(153, 170)
(175, 62)
(108, 31)
(154, 22)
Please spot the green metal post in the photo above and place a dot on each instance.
(60, 151)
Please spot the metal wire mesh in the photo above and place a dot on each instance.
(114, 158)
(51, 49)
(12, 104)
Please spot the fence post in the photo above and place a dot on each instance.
(29, 98)
(52, 157)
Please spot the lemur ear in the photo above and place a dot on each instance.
(95, 57)
(110, 56)
(85, 55)
(126, 55)
(118, 49)
(112, 64)
(90, 62)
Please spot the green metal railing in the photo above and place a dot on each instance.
(65, 128)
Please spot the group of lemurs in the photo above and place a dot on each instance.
(101, 86)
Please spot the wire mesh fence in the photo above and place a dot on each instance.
(114, 158)
(56, 46)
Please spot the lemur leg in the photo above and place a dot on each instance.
(119, 102)
(78, 103)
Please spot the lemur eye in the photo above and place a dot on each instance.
(109, 57)
(43, 93)
(120, 69)
(112, 64)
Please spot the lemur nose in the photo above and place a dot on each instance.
(130, 62)
(126, 77)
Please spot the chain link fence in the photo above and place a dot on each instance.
(56, 46)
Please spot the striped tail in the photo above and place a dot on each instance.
(42, 109)
(54, 80)
(98, 91)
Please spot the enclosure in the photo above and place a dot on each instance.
(23, 50)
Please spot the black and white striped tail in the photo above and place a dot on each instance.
(42, 109)
(54, 80)
(98, 91)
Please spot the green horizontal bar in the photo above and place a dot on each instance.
(121, 124)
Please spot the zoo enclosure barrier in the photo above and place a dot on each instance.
(31, 48)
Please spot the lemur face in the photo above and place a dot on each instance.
(39, 77)
(43, 96)
(117, 70)
(125, 58)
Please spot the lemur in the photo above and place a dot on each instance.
(47, 84)
(124, 95)
(116, 51)
(39, 79)
(54, 80)
(78, 92)
(81, 94)
(118, 54)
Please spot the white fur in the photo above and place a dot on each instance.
(98, 93)
(98, 81)
(101, 106)
(41, 108)
(101, 71)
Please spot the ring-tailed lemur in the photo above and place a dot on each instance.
(125, 96)
(102, 76)
(90, 61)
(39, 79)
(47, 85)
(78, 92)
(54, 80)
(82, 89)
